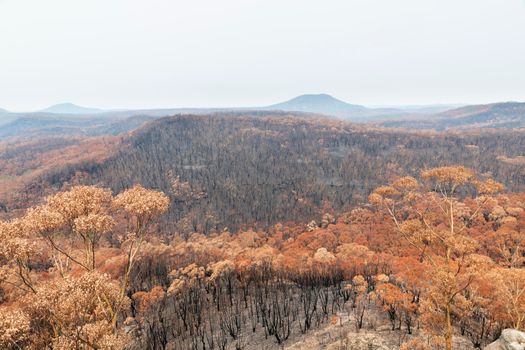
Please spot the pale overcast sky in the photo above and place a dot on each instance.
(171, 53)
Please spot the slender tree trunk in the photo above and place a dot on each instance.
(448, 337)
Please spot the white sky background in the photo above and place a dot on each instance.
(204, 53)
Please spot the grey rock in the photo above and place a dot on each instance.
(510, 339)
(312, 226)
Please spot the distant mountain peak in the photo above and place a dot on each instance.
(70, 108)
(317, 97)
(317, 103)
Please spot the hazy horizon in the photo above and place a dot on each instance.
(108, 109)
(131, 54)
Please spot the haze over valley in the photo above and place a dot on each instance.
(70, 119)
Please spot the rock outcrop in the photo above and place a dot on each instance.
(510, 339)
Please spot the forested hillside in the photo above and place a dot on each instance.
(256, 231)
(209, 192)
(430, 263)
(262, 169)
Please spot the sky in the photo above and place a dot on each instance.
(224, 53)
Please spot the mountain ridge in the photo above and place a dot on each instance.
(493, 115)
(69, 118)
(315, 103)
(70, 108)
(328, 105)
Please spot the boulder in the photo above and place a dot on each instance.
(312, 226)
(510, 339)
(327, 220)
